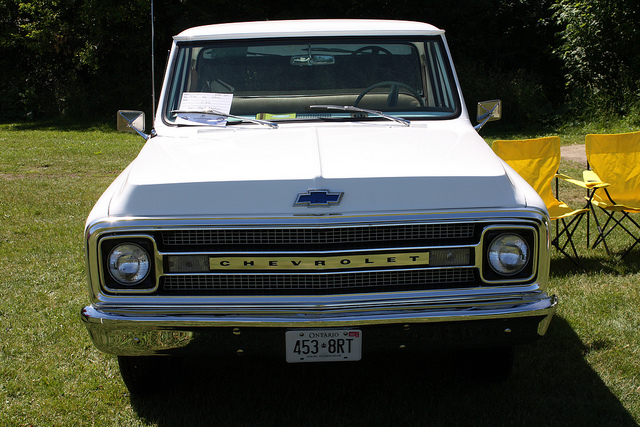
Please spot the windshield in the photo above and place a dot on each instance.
(281, 80)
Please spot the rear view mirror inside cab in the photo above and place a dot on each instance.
(313, 60)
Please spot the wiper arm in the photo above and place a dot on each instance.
(220, 113)
(361, 110)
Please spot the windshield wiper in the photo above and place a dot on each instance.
(220, 113)
(360, 110)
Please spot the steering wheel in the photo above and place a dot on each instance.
(375, 50)
(394, 92)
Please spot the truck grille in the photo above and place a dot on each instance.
(269, 284)
(292, 241)
(322, 238)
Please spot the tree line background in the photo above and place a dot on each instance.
(548, 60)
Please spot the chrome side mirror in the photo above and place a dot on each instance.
(131, 121)
(488, 111)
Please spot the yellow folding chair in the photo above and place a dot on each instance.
(537, 161)
(613, 183)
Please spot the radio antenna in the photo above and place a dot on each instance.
(153, 70)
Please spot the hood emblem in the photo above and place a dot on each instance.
(318, 198)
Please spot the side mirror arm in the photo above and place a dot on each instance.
(488, 111)
(132, 121)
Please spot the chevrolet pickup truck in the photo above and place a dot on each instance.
(314, 191)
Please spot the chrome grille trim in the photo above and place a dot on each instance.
(324, 283)
(310, 236)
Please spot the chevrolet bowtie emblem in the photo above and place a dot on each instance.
(318, 198)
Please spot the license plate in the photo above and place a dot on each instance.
(323, 345)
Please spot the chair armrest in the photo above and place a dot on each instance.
(574, 181)
(592, 180)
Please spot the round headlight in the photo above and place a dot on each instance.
(508, 254)
(129, 264)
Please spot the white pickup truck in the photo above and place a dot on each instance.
(313, 190)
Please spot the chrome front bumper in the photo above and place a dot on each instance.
(129, 332)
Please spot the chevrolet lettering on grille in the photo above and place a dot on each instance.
(319, 263)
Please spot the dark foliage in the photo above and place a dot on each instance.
(599, 49)
(84, 59)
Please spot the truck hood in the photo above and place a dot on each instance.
(260, 171)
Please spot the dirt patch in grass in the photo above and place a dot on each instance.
(574, 153)
(21, 176)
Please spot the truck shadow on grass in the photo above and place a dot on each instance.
(596, 261)
(551, 385)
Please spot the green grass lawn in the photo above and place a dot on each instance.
(586, 371)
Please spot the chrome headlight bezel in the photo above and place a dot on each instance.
(528, 241)
(115, 283)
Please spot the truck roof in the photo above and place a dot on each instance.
(307, 28)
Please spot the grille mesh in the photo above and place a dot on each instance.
(294, 240)
(319, 283)
(310, 236)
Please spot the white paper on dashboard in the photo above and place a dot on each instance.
(202, 101)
